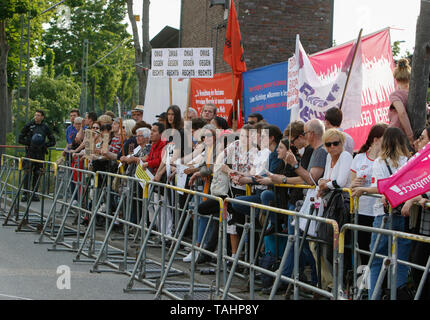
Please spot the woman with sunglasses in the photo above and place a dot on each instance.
(336, 175)
(338, 163)
(393, 155)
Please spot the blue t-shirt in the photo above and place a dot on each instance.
(70, 134)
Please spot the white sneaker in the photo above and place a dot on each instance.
(189, 256)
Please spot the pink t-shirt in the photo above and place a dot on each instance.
(393, 117)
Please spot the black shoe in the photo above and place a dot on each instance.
(203, 258)
(36, 198)
(24, 198)
(282, 287)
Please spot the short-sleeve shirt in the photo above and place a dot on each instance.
(362, 166)
(318, 158)
(393, 117)
(380, 171)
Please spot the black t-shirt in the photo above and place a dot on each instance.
(306, 158)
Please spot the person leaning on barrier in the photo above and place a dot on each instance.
(288, 198)
(361, 176)
(139, 153)
(203, 175)
(394, 154)
(336, 176)
(71, 131)
(130, 142)
(33, 136)
(421, 251)
(239, 156)
(153, 159)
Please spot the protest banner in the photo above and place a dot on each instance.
(411, 180)
(182, 63)
(377, 83)
(218, 91)
(265, 92)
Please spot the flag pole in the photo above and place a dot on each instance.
(188, 99)
(350, 68)
(120, 126)
(234, 120)
(170, 91)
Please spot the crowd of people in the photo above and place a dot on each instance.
(221, 161)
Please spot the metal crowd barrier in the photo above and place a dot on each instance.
(73, 187)
(162, 285)
(390, 261)
(249, 229)
(31, 220)
(130, 254)
(10, 175)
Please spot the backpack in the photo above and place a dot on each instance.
(268, 261)
(337, 209)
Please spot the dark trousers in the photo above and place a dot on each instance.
(32, 170)
(420, 255)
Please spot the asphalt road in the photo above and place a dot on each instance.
(29, 271)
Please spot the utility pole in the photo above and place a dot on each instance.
(83, 102)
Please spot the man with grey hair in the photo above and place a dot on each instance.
(191, 113)
(208, 112)
(314, 130)
(139, 153)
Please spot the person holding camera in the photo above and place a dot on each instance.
(33, 136)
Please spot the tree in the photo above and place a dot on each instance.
(8, 10)
(101, 22)
(142, 52)
(419, 83)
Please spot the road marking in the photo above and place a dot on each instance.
(9, 296)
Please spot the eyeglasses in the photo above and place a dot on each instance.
(140, 135)
(304, 133)
(335, 143)
(95, 127)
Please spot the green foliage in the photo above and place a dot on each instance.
(55, 96)
(49, 63)
(101, 22)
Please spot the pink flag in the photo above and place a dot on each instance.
(411, 180)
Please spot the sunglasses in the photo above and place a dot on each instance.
(95, 127)
(335, 143)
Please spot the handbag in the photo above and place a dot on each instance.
(397, 210)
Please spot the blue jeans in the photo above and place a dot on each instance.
(403, 249)
(245, 210)
(306, 257)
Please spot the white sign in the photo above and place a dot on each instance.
(182, 63)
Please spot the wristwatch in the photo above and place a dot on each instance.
(296, 166)
(284, 181)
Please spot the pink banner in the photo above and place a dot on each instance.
(378, 82)
(413, 179)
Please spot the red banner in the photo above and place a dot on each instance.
(378, 81)
(218, 90)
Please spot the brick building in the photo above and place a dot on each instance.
(268, 28)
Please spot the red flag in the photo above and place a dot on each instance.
(233, 50)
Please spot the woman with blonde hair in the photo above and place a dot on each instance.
(397, 113)
(393, 155)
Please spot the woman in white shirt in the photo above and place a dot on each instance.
(338, 164)
(394, 154)
(361, 176)
(336, 175)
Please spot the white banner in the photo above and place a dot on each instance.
(310, 96)
(182, 63)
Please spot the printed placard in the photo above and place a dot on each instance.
(182, 63)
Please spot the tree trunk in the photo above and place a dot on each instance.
(4, 50)
(419, 83)
(141, 56)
